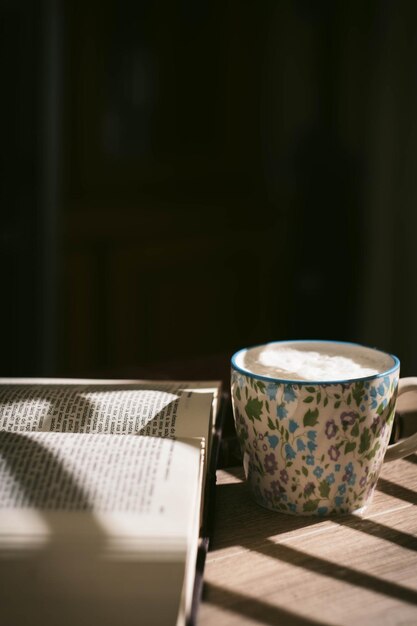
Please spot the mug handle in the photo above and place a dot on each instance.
(409, 445)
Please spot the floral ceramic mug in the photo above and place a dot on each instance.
(314, 436)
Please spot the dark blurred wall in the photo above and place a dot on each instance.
(185, 178)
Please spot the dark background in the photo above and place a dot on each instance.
(183, 178)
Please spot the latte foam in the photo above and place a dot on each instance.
(313, 361)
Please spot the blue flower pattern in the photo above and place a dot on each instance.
(281, 411)
(271, 391)
(292, 426)
(295, 437)
(311, 446)
(289, 451)
(289, 394)
(273, 441)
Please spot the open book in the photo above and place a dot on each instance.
(98, 528)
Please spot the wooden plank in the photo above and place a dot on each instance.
(271, 568)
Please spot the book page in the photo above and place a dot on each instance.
(116, 407)
(63, 410)
(108, 520)
(138, 476)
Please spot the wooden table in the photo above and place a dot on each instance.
(270, 568)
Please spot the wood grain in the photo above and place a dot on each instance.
(270, 568)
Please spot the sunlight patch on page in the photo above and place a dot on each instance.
(24, 415)
(130, 410)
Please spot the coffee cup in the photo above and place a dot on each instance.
(314, 419)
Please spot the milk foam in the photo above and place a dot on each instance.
(314, 361)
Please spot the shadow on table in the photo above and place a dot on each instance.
(243, 523)
(259, 610)
(397, 491)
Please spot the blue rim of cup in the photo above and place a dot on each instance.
(289, 381)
